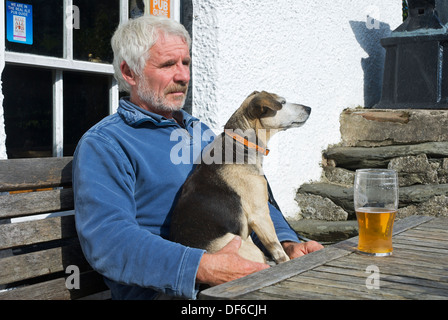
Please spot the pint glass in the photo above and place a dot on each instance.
(376, 204)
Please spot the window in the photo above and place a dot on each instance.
(85, 103)
(91, 42)
(47, 35)
(62, 83)
(28, 111)
(59, 82)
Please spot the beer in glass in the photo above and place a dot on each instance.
(376, 204)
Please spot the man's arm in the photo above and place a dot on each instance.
(112, 240)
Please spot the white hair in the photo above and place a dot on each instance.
(133, 39)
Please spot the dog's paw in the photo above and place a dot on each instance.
(282, 257)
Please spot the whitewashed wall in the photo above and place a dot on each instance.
(2, 65)
(325, 54)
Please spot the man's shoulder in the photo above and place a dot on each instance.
(108, 121)
(105, 128)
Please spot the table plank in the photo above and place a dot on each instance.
(430, 243)
(281, 281)
(422, 257)
(391, 267)
(439, 223)
(396, 279)
(409, 223)
(415, 247)
(424, 234)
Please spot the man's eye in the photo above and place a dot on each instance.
(168, 64)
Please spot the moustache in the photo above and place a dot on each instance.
(176, 88)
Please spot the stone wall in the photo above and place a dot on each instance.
(413, 142)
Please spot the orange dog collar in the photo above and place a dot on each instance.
(247, 143)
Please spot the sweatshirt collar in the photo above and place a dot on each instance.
(134, 115)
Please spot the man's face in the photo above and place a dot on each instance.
(164, 83)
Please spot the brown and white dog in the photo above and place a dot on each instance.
(227, 195)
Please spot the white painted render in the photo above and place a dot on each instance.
(2, 66)
(324, 54)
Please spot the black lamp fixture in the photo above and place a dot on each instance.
(416, 65)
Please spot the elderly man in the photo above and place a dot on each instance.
(125, 183)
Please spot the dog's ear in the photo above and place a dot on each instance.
(253, 93)
(262, 104)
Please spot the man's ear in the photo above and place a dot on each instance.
(128, 75)
(262, 104)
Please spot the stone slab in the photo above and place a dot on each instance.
(369, 127)
(325, 231)
(379, 157)
(319, 208)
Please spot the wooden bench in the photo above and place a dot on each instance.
(40, 255)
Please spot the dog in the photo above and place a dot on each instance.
(226, 195)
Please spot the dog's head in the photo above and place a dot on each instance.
(274, 112)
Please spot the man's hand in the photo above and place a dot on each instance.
(295, 250)
(226, 265)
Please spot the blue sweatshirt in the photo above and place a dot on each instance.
(127, 173)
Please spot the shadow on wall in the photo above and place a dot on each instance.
(369, 37)
(187, 21)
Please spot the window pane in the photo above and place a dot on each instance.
(28, 111)
(136, 8)
(86, 101)
(98, 21)
(47, 25)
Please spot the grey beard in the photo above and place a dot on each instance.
(157, 102)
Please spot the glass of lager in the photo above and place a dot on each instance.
(376, 204)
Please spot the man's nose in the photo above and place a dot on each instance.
(182, 75)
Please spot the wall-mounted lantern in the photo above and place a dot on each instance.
(416, 65)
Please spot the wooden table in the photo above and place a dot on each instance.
(418, 269)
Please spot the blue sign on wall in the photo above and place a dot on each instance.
(19, 22)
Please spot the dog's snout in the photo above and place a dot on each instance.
(307, 110)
